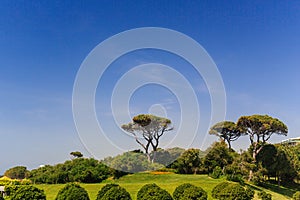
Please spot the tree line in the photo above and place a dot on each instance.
(262, 161)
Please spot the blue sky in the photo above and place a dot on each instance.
(255, 45)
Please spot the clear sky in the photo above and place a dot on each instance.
(255, 44)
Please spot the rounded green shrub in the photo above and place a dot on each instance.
(264, 196)
(11, 189)
(153, 192)
(116, 193)
(231, 191)
(104, 189)
(188, 191)
(72, 191)
(296, 195)
(218, 188)
(28, 192)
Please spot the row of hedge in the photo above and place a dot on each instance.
(152, 192)
(73, 191)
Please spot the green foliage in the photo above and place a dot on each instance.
(116, 193)
(218, 188)
(146, 120)
(249, 193)
(82, 170)
(238, 169)
(267, 156)
(163, 157)
(188, 163)
(18, 172)
(261, 126)
(278, 161)
(169, 182)
(11, 189)
(226, 130)
(26, 181)
(113, 192)
(219, 155)
(104, 189)
(1, 198)
(287, 163)
(28, 192)
(231, 191)
(147, 130)
(217, 172)
(76, 154)
(296, 196)
(13, 186)
(175, 152)
(131, 162)
(258, 176)
(72, 191)
(235, 178)
(188, 191)
(5, 181)
(153, 192)
(264, 196)
(116, 174)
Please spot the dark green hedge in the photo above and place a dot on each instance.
(28, 192)
(264, 196)
(231, 191)
(113, 192)
(116, 193)
(153, 192)
(188, 191)
(72, 191)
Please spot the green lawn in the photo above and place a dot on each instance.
(132, 183)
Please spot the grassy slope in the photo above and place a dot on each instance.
(132, 183)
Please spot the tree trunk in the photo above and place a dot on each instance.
(229, 144)
(250, 175)
(148, 157)
(254, 154)
(154, 156)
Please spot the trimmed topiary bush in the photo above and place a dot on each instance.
(72, 191)
(296, 196)
(232, 191)
(218, 188)
(104, 189)
(28, 192)
(264, 196)
(249, 193)
(153, 192)
(116, 193)
(11, 189)
(188, 191)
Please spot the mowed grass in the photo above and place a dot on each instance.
(132, 183)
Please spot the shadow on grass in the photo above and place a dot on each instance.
(287, 190)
